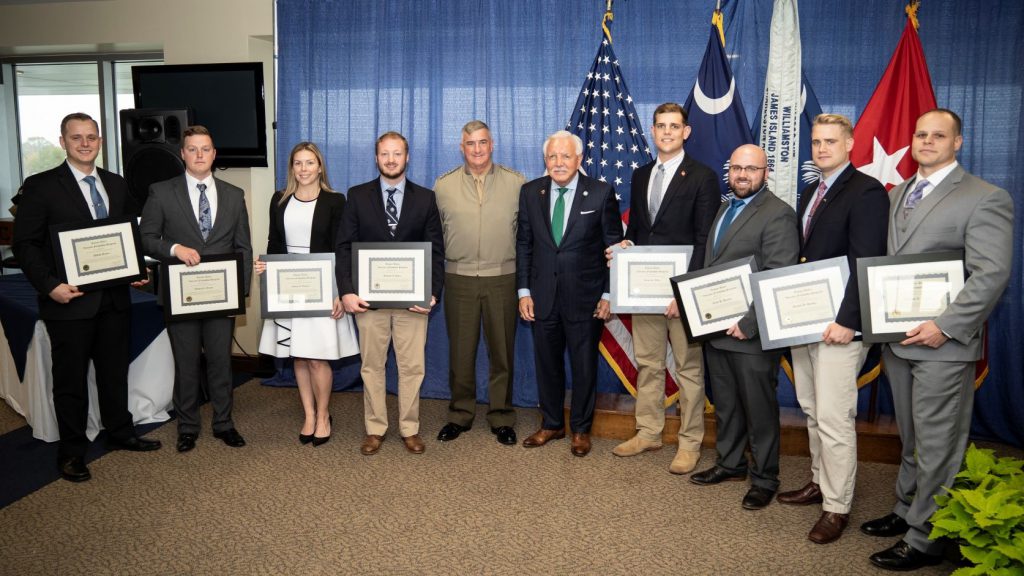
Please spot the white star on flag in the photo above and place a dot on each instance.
(883, 165)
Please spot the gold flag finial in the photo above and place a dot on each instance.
(911, 11)
(716, 21)
(608, 17)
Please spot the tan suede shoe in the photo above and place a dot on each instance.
(635, 445)
(684, 462)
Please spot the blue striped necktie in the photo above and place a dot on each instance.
(97, 200)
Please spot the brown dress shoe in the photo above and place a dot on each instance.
(580, 444)
(829, 527)
(371, 444)
(809, 494)
(414, 444)
(543, 436)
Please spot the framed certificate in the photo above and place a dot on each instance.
(794, 304)
(99, 254)
(713, 299)
(209, 289)
(899, 292)
(392, 274)
(298, 285)
(640, 277)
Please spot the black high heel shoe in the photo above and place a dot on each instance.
(305, 438)
(317, 440)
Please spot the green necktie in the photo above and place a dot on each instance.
(558, 216)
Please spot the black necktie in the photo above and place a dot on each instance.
(392, 210)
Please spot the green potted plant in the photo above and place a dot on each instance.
(984, 512)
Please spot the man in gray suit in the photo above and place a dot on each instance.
(186, 217)
(755, 223)
(932, 371)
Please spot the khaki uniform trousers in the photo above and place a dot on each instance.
(408, 332)
(651, 334)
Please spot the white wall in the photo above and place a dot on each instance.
(188, 32)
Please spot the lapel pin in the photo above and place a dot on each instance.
(682, 172)
(584, 193)
(543, 191)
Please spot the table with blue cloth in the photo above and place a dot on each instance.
(25, 362)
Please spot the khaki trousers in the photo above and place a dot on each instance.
(408, 332)
(652, 333)
(826, 386)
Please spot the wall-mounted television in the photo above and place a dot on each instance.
(226, 98)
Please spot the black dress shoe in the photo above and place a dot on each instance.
(716, 475)
(451, 431)
(73, 469)
(885, 527)
(231, 437)
(506, 435)
(317, 440)
(757, 498)
(134, 444)
(186, 442)
(903, 557)
(305, 438)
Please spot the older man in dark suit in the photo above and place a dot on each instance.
(390, 208)
(565, 222)
(743, 377)
(187, 217)
(83, 325)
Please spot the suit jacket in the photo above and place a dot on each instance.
(572, 275)
(168, 219)
(686, 213)
(54, 197)
(766, 230)
(364, 220)
(851, 221)
(326, 220)
(962, 213)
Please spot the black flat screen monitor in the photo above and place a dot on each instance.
(226, 98)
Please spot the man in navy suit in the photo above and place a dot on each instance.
(845, 213)
(84, 325)
(390, 208)
(565, 222)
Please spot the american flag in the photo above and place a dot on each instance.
(613, 146)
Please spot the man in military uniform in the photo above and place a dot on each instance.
(479, 204)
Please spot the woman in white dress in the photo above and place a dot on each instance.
(304, 219)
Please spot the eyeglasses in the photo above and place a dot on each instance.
(748, 169)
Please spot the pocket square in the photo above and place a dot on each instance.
(588, 212)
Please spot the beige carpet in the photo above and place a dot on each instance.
(468, 507)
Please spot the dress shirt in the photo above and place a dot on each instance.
(742, 207)
(399, 194)
(828, 186)
(191, 184)
(671, 166)
(934, 180)
(87, 192)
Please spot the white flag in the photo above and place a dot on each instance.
(780, 110)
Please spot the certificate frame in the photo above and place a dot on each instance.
(319, 271)
(119, 237)
(228, 298)
(673, 260)
(775, 290)
(371, 258)
(733, 275)
(876, 277)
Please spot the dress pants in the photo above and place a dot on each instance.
(651, 335)
(746, 412)
(934, 402)
(551, 337)
(407, 331)
(825, 379)
(467, 301)
(191, 339)
(73, 343)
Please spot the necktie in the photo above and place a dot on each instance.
(97, 200)
(205, 218)
(392, 210)
(558, 216)
(656, 187)
(734, 206)
(915, 195)
(814, 207)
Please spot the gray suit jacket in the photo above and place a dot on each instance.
(962, 213)
(766, 229)
(168, 219)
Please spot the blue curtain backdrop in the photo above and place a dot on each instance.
(348, 71)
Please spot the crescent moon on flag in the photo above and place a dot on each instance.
(713, 106)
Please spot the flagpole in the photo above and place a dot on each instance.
(911, 10)
(608, 17)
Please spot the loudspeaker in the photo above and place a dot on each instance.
(151, 147)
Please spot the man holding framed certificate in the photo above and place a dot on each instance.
(843, 214)
(84, 325)
(673, 203)
(391, 210)
(942, 208)
(189, 217)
